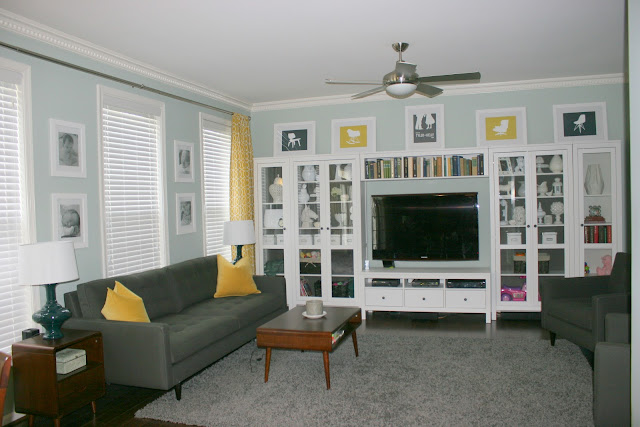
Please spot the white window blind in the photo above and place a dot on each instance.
(15, 305)
(132, 191)
(216, 160)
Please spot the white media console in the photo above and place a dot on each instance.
(443, 290)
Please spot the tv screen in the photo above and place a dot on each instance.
(426, 227)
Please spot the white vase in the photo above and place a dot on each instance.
(309, 173)
(555, 165)
(275, 190)
(593, 182)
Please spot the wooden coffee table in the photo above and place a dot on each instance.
(292, 330)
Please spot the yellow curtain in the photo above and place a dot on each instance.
(241, 178)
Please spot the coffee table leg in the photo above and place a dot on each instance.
(355, 342)
(267, 362)
(325, 356)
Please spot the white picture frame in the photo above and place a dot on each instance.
(501, 127)
(185, 213)
(67, 147)
(424, 126)
(183, 153)
(293, 139)
(70, 219)
(356, 135)
(580, 122)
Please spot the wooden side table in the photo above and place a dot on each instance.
(39, 390)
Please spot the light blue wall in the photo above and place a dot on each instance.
(65, 94)
(460, 131)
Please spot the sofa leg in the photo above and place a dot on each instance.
(552, 338)
(178, 390)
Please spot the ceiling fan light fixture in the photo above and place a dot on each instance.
(401, 90)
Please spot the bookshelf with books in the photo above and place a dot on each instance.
(436, 164)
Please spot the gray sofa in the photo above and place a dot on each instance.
(189, 329)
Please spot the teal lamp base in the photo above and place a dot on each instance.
(52, 315)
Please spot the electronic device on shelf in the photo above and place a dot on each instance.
(392, 283)
(464, 283)
(425, 283)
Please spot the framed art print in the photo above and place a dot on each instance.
(294, 138)
(506, 126)
(70, 218)
(424, 126)
(580, 122)
(183, 159)
(353, 135)
(185, 213)
(67, 149)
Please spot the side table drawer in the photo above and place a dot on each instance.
(81, 388)
(383, 297)
(465, 298)
(427, 298)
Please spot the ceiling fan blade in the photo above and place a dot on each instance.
(405, 68)
(450, 78)
(428, 90)
(336, 82)
(368, 92)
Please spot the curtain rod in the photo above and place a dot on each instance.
(110, 77)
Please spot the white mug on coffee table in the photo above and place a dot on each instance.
(314, 307)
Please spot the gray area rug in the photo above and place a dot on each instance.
(397, 380)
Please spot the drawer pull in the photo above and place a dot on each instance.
(383, 297)
(465, 299)
(424, 299)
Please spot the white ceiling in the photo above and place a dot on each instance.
(271, 50)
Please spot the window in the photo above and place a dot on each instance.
(216, 160)
(134, 223)
(16, 199)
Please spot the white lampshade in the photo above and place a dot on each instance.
(238, 233)
(401, 89)
(46, 263)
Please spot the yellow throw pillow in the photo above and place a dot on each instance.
(235, 280)
(123, 304)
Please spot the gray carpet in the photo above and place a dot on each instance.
(397, 380)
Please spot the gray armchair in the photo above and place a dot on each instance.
(575, 308)
(612, 374)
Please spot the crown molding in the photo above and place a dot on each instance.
(28, 28)
(457, 90)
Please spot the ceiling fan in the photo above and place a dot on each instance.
(404, 81)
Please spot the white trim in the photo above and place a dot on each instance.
(26, 27)
(457, 90)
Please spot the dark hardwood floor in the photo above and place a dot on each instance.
(119, 405)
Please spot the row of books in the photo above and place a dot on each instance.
(424, 167)
(597, 234)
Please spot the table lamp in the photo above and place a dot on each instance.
(48, 264)
(238, 233)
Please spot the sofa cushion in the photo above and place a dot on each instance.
(195, 279)
(235, 280)
(246, 310)
(156, 288)
(190, 333)
(124, 305)
(577, 311)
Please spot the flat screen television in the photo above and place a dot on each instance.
(425, 227)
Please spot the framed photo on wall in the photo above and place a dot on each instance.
(69, 214)
(183, 159)
(580, 122)
(185, 213)
(353, 135)
(424, 126)
(506, 126)
(67, 149)
(294, 138)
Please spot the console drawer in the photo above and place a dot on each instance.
(428, 298)
(383, 297)
(465, 298)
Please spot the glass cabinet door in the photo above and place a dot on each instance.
(598, 210)
(309, 221)
(341, 232)
(513, 207)
(272, 225)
